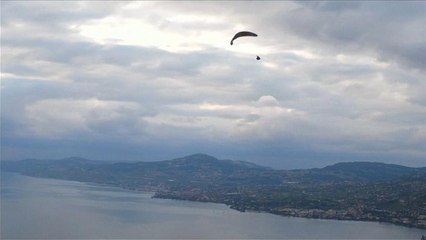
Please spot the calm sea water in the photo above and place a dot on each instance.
(37, 208)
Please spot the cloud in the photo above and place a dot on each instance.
(267, 101)
(60, 117)
(390, 32)
(338, 81)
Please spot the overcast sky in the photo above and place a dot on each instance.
(337, 81)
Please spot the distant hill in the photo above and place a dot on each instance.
(206, 169)
(201, 160)
(370, 171)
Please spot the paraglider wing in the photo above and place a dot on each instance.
(243, 34)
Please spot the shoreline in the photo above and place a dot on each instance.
(338, 215)
(285, 212)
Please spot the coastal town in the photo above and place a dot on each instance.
(326, 210)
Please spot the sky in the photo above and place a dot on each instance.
(146, 81)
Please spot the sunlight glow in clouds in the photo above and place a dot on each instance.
(140, 32)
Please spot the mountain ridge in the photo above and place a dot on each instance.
(212, 168)
(340, 166)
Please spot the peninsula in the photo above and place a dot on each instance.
(363, 191)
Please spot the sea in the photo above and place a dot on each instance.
(38, 208)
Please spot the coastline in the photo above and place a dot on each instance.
(342, 215)
(285, 212)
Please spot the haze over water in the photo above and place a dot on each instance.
(51, 209)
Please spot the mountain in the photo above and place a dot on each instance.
(202, 160)
(206, 170)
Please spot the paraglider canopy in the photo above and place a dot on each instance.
(243, 34)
